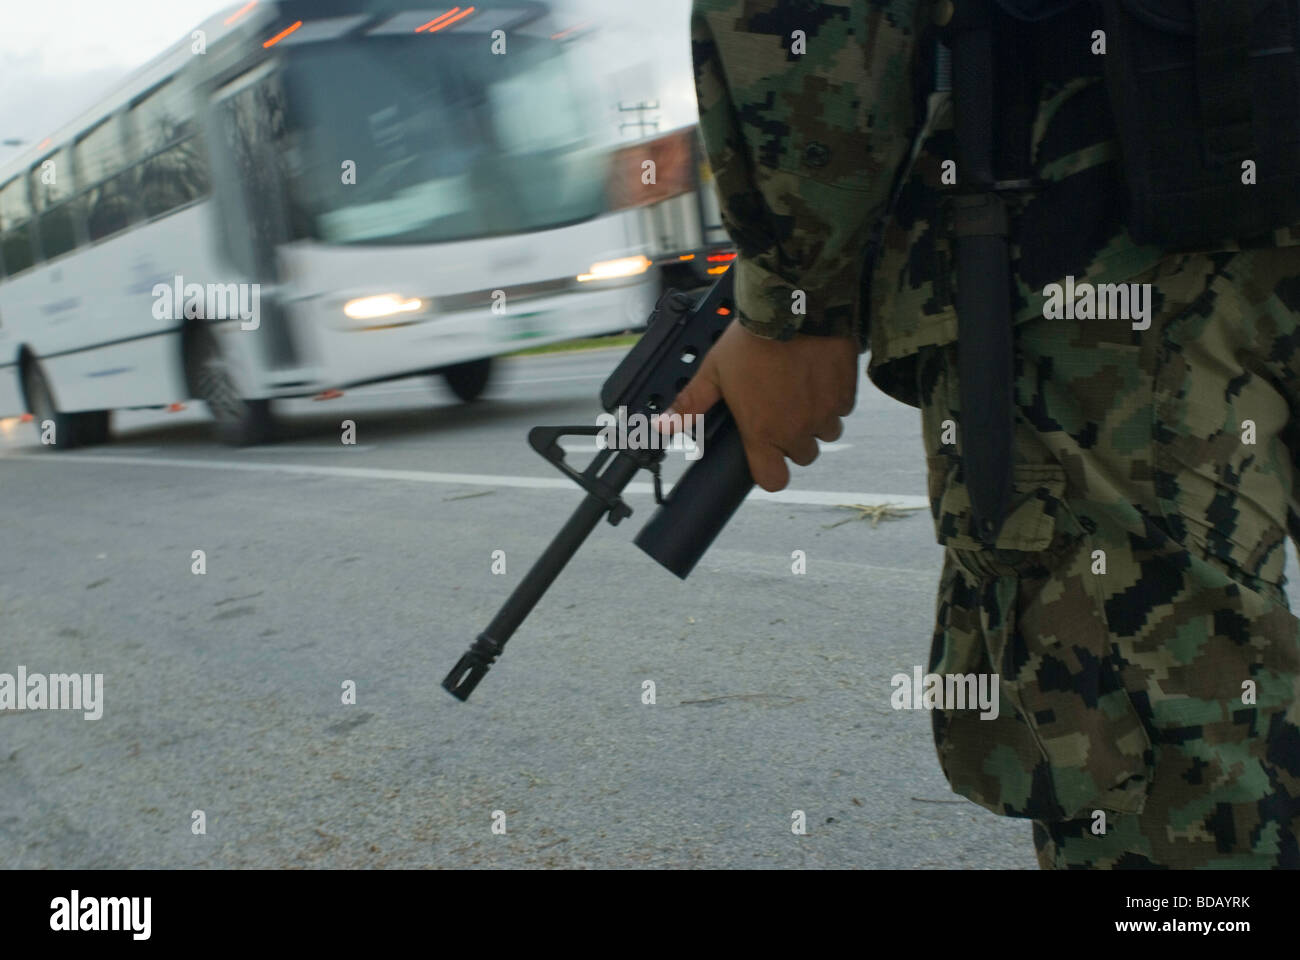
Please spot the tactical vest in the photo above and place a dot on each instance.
(1204, 99)
(1206, 94)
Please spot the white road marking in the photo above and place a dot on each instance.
(418, 385)
(589, 446)
(676, 443)
(816, 498)
(366, 393)
(582, 376)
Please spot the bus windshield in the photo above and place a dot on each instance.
(449, 141)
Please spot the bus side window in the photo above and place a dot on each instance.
(171, 169)
(173, 178)
(57, 207)
(16, 227)
(101, 166)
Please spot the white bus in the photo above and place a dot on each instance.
(306, 195)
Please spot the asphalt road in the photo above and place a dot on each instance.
(326, 563)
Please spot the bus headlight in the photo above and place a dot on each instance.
(385, 305)
(616, 269)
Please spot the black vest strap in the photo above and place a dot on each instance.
(1061, 46)
(1223, 78)
(1198, 88)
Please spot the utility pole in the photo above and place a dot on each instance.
(639, 117)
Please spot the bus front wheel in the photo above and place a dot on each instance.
(469, 380)
(238, 420)
(69, 429)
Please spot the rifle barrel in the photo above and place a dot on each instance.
(473, 666)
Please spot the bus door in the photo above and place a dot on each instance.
(251, 191)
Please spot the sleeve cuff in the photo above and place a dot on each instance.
(769, 306)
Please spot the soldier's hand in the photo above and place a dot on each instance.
(785, 395)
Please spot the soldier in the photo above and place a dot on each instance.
(1131, 600)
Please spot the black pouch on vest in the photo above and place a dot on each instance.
(1198, 88)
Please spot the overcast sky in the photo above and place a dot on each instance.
(57, 56)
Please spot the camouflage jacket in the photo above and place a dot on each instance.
(809, 109)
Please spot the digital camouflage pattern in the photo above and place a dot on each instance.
(803, 147)
(1134, 610)
(1133, 605)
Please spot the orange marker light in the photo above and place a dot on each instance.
(437, 19)
(328, 395)
(44, 143)
(723, 312)
(26, 418)
(283, 33)
(687, 256)
(447, 23)
(714, 271)
(241, 12)
(564, 33)
(175, 407)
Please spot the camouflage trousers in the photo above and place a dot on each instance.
(1133, 605)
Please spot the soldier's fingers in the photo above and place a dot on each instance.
(830, 430)
(847, 402)
(698, 396)
(802, 450)
(766, 465)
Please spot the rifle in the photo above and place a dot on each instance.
(686, 522)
